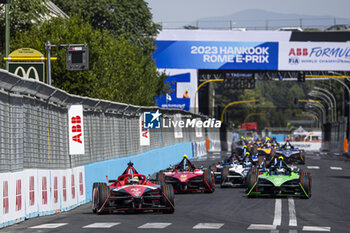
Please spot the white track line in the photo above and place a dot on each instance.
(278, 213)
(208, 226)
(102, 225)
(155, 225)
(261, 227)
(336, 168)
(313, 167)
(49, 226)
(313, 228)
(292, 213)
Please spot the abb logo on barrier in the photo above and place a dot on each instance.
(144, 132)
(5, 197)
(298, 52)
(18, 195)
(31, 191)
(76, 129)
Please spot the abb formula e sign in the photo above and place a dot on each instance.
(314, 56)
(76, 130)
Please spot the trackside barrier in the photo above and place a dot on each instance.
(38, 175)
(146, 163)
(35, 192)
(214, 145)
(199, 149)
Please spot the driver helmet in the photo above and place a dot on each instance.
(268, 145)
(281, 170)
(134, 180)
(288, 146)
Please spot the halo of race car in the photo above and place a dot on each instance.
(263, 168)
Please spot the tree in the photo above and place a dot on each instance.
(119, 70)
(24, 14)
(132, 19)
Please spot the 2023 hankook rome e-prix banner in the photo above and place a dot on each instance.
(217, 55)
(245, 55)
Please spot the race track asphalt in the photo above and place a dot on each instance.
(226, 210)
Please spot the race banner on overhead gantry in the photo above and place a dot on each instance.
(234, 55)
(247, 50)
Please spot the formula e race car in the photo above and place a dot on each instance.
(291, 155)
(185, 177)
(132, 192)
(234, 175)
(279, 180)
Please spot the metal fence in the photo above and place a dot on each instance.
(34, 127)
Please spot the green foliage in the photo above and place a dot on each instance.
(119, 71)
(24, 14)
(276, 102)
(121, 17)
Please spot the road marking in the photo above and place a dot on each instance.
(228, 153)
(336, 168)
(261, 227)
(102, 225)
(313, 228)
(217, 153)
(155, 225)
(292, 214)
(208, 226)
(313, 167)
(293, 231)
(278, 213)
(49, 225)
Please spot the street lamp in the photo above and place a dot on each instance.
(332, 97)
(320, 107)
(326, 100)
(7, 22)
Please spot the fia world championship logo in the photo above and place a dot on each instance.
(151, 120)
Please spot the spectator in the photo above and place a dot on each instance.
(186, 94)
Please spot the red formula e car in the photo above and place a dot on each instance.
(185, 177)
(132, 192)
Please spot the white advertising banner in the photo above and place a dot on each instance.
(177, 128)
(310, 56)
(76, 130)
(144, 134)
(199, 133)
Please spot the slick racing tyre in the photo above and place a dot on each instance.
(305, 182)
(160, 177)
(100, 193)
(302, 157)
(95, 197)
(251, 180)
(209, 182)
(168, 198)
(224, 175)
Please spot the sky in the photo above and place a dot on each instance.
(191, 10)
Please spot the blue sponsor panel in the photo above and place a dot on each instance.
(173, 101)
(216, 55)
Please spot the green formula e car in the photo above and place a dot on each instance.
(279, 180)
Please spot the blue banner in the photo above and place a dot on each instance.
(172, 101)
(216, 55)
